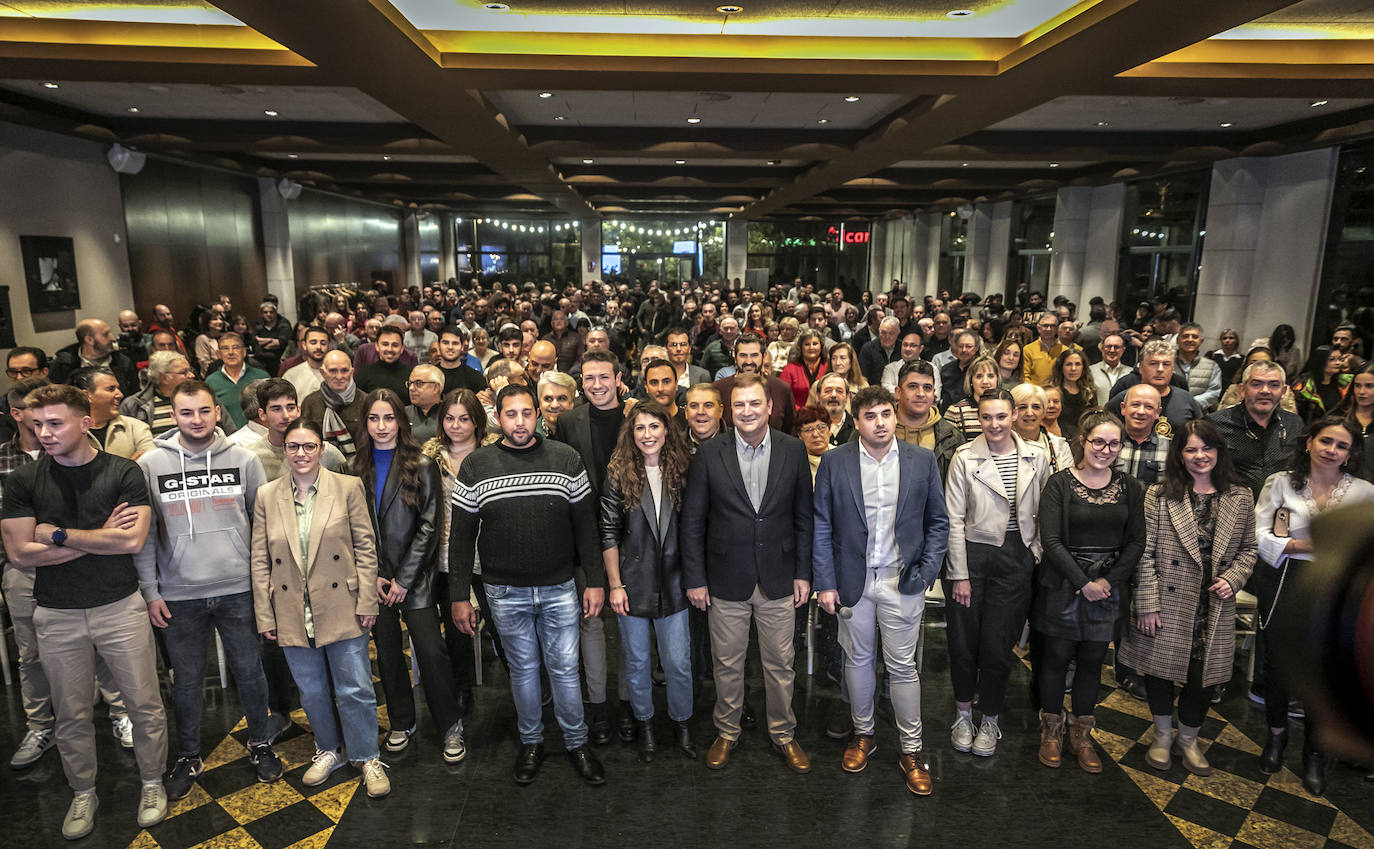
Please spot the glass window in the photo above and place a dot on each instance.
(1346, 293)
(1032, 245)
(1161, 243)
(525, 250)
(953, 249)
(823, 253)
(668, 250)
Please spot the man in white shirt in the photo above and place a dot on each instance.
(913, 345)
(1105, 374)
(305, 375)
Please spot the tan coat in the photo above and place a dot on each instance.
(343, 561)
(1170, 580)
(126, 437)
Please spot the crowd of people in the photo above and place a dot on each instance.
(684, 464)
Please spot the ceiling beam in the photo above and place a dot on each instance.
(369, 45)
(1100, 42)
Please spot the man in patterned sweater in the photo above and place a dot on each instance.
(530, 497)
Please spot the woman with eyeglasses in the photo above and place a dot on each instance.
(403, 490)
(315, 594)
(1320, 481)
(1199, 550)
(1031, 401)
(812, 427)
(1092, 528)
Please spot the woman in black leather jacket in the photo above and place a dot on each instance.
(403, 494)
(639, 541)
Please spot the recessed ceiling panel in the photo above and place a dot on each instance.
(1312, 19)
(124, 11)
(855, 18)
(1170, 114)
(212, 102)
(675, 109)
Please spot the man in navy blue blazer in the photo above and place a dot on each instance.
(881, 532)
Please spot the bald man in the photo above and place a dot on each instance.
(543, 357)
(95, 346)
(338, 404)
(426, 388)
(132, 340)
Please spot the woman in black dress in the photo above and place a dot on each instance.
(1092, 527)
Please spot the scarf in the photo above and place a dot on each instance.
(335, 430)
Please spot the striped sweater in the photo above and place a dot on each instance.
(536, 514)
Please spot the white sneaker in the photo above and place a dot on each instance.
(31, 748)
(123, 729)
(961, 735)
(152, 804)
(985, 744)
(454, 747)
(374, 777)
(322, 766)
(398, 739)
(80, 819)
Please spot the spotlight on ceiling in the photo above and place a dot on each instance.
(775, 162)
(51, 85)
(694, 120)
(293, 156)
(959, 13)
(559, 118)
(729, 10)
(386, 157)
(853, 98)
(1225, 124)
(1054, 164)
(271, 113)
(681, 161)
(1103, 123)
(588, 161)
(545, 95)
(822, 120)
(134, 109)
(1315, 103)
(496, 7)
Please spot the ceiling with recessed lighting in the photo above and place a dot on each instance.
(783, 108)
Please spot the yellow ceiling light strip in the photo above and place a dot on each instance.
(1267, 52)
(113, 33)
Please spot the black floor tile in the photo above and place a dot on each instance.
(194, 826)
(289, 825)
(1295, 810)
(1206, 811)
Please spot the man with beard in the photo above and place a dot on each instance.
(305, 375)
(749, 360)
(94, 346)
(833, 391)
(456, 363)
(337, 405)
(270, 337)
(918, 422)
(389, 372)
(132, 340)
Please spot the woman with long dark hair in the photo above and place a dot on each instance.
(1010, 368)
(403, 490)
(1358, 410)
(1320, 480)
(1069, 375)
(1092, 527)
(639, 539)
(1322, 386)
(1199, 550)
(843, 360)
(1283, 348)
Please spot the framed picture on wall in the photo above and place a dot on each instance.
(50, 271)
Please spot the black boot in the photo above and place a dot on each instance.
(598, 722)
(629, 729)
(683, 740)
(585, 764)
(1315, 765)
(1271, 761)
(648, 746)
(527, 763)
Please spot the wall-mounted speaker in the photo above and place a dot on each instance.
(125, 161)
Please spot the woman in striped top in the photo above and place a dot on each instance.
(981, 377)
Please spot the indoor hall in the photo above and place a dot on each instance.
(171, 152)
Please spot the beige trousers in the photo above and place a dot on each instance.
(729, 624)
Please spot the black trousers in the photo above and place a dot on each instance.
(1192, 702)
(1055, 654)
(1273, 610)
(436, 674)
(981, 636)
(458, 644)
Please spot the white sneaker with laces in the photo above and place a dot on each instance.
(123, 729)
(321, 767)
(152, 804)
(985, 744)
(80, 819)
(31, 748)
(374, 778)
(454, 747)
(398, 739)
(961, 735)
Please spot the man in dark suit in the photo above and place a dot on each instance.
(881, 535)
(591, 429)
(746, 552)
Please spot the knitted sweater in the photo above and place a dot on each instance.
(536, 514)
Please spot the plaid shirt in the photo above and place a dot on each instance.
(11, 458)
(1144, 461)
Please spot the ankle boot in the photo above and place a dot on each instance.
(1186, 747)
(683, 740)
(1315, 765)
(1081, 740)
(1271, 760)
(647, 746)
(1051, 739)
(1158, 755)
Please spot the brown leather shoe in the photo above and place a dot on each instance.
(857, 752)
(1081, 738)
(792, 753)
(913, 766)
(1051, 739)
(719, 753)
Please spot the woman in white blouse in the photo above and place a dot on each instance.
(1320, 481)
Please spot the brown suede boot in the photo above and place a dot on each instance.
(1051, 739)
(1081, 741)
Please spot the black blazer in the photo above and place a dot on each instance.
(650, 561)
(729, 548)
(407, 541)
(575, 430)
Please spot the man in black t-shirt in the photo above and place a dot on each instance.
(76, 516)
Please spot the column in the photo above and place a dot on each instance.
(1071, 209)
(448, 263)
(884, 240)
(408, 263)
(976, 251)
(1102, 257)
(925, 276)
(736, 249)
(589, 232)
(276, 247)
(999, 250)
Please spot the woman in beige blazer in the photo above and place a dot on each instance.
(315, 593)
(1199, 550)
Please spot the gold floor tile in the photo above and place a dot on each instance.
(228, 751)
(314, 841)
(297, 751)
(298, 716)
(1158, 790)
(1114, 745)
(334, 801)
(193, 800)
(241, 726)
(236, 839)
(383, 718)
(1231, 736)
(144, 841)
(1200, 837)
(1350, 833)
(1241, 792)
(258, 800)
(1268, 833)
(1119, 700)
(1288, 782)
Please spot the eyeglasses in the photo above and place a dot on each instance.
(416, 384)
(815, 429)
(1100, 444)
(301, 447)
(21, 373)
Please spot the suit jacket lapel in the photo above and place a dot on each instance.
(286, 506)
(1226, 521)
(854, 474)
(646, 503)
(730, 457)
(1185, 527)
(390, 488)
(776, 458)
(319, 518)
(905, 474)
(584, 434)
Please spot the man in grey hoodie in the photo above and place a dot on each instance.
(194, 573)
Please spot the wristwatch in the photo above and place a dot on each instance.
(59, 537)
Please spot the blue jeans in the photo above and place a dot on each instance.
(186, 637)
(347, 663)
(528, 618)
(674, 651)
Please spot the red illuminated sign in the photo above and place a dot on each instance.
(847, 237)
